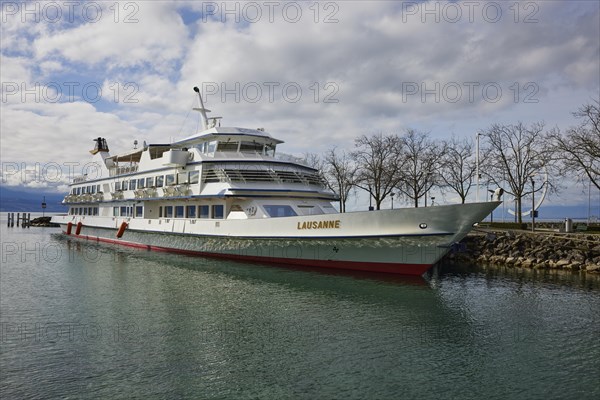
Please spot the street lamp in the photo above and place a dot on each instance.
(392, 194)
(477, 168)
(532, 204)
(432, 199)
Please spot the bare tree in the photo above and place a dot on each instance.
(458, 166)
(340, 173)
(420, 161)
(516, 153)
(376, 160)
(579, 148)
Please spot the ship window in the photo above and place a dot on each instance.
(217, 211)
(270, 150)
(140, 183)
(98, 188)
(169, 179)
(160, 212)
(211, 147)
(95, 210)
(159, 181)
(190, 212)
(115, 211)
(93, 189)
(139, 211)
(279, 211)
(309, 210)
(149, 182)
(123, 211)
(228, 146)
(132, 184)
(168, 211)
(178, 211)
(182, 177)
(251, 147)
(194, 177)
(204, 211)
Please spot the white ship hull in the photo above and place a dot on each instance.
(405, 241)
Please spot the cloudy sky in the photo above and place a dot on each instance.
(314, 74)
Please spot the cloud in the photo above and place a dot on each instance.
(361, 66)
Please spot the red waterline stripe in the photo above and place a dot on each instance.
(392, 268)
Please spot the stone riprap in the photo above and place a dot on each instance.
(539, 250)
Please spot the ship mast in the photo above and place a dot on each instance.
(202, 110)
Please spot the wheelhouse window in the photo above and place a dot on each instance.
(251, 147)
(168, 211)
(179, 211)
(159, 181)
(150, 181)
(140, 183)
(132, 184)
(270, 150)
(276, 211)
(139, 211)
(228, 146)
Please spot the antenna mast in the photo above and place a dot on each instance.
(202, 110)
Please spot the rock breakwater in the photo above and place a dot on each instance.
(538, 250)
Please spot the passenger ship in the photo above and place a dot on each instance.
(225, 192)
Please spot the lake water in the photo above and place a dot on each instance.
(87, 320)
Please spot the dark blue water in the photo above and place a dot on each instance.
(86, 320)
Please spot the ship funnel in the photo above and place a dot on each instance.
(202, 110)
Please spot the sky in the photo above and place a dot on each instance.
(314, 74)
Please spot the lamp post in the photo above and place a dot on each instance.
(392, 194)
(432, 199)
(532, 205)
(477, 167)
(492, 213)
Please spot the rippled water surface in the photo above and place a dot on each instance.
(86, 320)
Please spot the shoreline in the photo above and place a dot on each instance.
(532, 250)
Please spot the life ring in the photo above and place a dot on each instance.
(78, 229)
(122, 229)
(69, 227)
